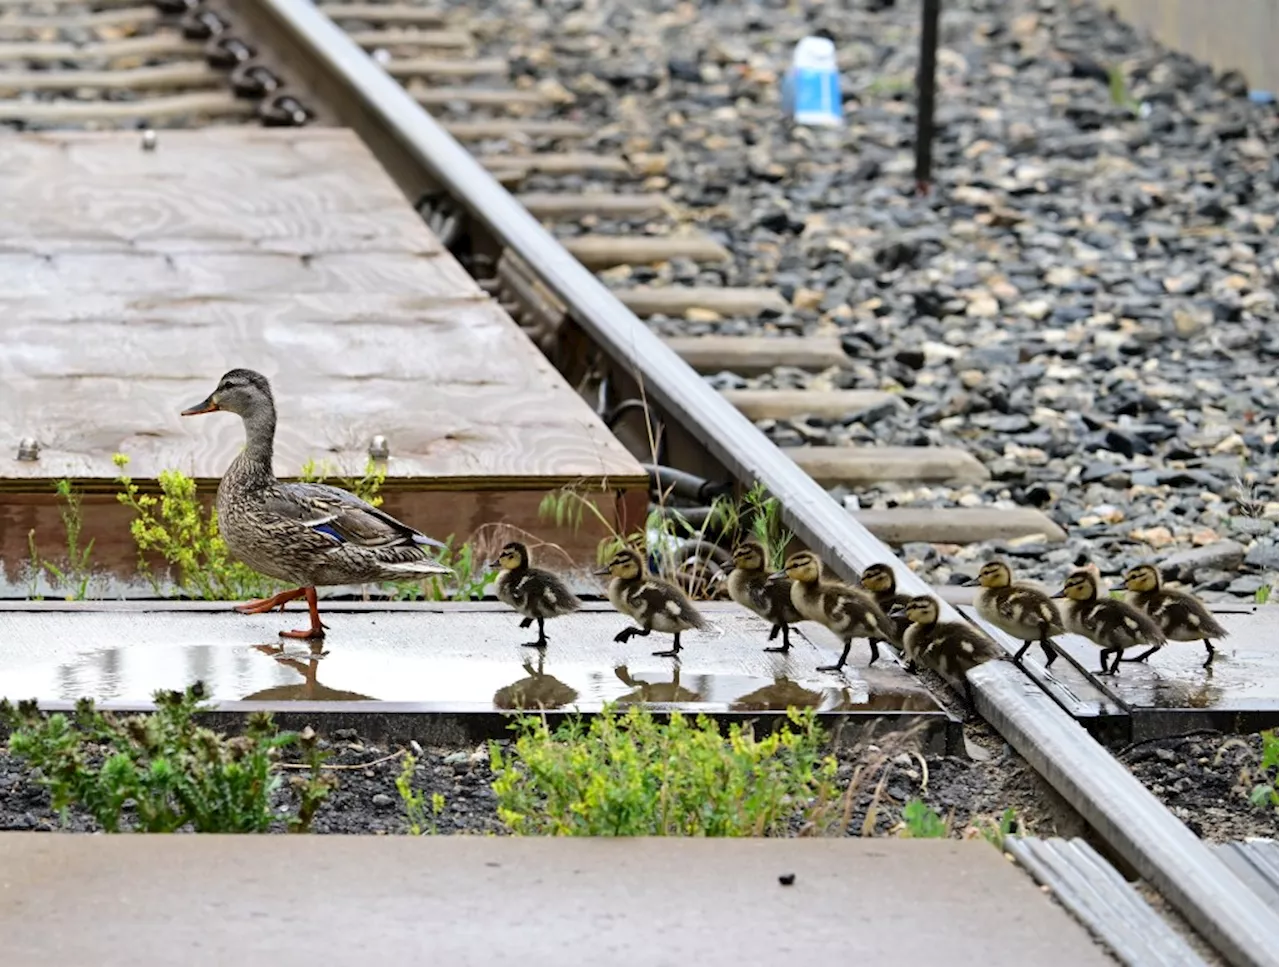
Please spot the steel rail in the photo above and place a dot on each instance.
(1106, 794)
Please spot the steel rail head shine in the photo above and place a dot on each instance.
(1196, 881)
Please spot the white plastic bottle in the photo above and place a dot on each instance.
(811, 87)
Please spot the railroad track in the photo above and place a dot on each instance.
(374, 68)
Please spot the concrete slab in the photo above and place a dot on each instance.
(434, 659)
(461, 901)
(1170, 694)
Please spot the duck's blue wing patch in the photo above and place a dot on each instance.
(328, 531)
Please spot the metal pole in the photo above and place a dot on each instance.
(926, 83)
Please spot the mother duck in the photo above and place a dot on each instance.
(307, 534)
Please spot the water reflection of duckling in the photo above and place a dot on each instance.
(1110, 624)
(845, 611)
(1180, 614)
(749, 585)
(652, 602)
(781, 695)
(1020, 610)
(310, 690)
(535, 593)
(539, 690)
(654, 692)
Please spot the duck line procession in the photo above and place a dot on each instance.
(315, 535)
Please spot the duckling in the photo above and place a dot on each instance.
(1110, 624)
(535, 593)
(1180, 615)
(651, 601)
(950, 648)
(880, 580)
(1020, 610)
(750, 586)
(845, 611)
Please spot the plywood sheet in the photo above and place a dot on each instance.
(131, 280)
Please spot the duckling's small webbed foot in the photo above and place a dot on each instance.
(1208, 646)
(542, 635)
(786, 639)
(673, 651)
(627, 633)
(1050, 651)
(839, 661)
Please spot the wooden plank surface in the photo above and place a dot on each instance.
(131, 280)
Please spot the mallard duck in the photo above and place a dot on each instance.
(1020, 610)
(882, 583)
(750, 586)
(535, 593)
(651, 601)
(950, 648)
(1110, 624)
(846, 612)
(306, 534)
(1180, 615)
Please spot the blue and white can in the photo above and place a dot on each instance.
(811, 85)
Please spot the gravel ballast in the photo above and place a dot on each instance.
(1087, 302)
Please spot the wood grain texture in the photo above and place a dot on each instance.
(604, 251)
(782, 404)
(386, 13)
(155, 45)
(203, 104)
(750, 355)
(650, 301)
(128, 287)
(466, 514)
(859, 466)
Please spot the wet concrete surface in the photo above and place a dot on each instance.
(465, 658)
(1170, 693)
(195, 900)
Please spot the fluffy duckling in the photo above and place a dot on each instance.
(1020, 610)
(880, 580)
(1180, 615)
(949, 648)
(1110, 624)
(535, 593)
(652, 602)
(845, 611)
(750, 586)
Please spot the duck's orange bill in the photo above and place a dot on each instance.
(208, 406)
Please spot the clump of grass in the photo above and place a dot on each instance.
(367, 486)
(468, 581)
(1263, 594)
(631, 775)
(420, 821)
(1266, 789)
(170, 771)
(74, 578)
(922, 821)
(176, 526)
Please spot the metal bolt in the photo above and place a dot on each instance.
(378, 448)
(381, 55)
(28, 449)
(148, 140)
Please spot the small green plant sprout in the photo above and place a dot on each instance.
(1263, 594)
(163, 768)
(922, 821)
(367, 486)
(633, 775)
(1118, 87)
(1266, 792)
(74, 578)
(420, 821)
(176, 526)
(994, 831)
(468, 581)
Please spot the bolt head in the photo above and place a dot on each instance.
(378, 447)
(28, 449)
(148, 140)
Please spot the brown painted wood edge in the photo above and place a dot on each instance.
(32, 486)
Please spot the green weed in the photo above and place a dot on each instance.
(921, 821)
(468, 581)
(1263, 594)
(1267, 792)
(366, 486)
(171, 771)
(176, 526)
(415, 803)
(631, 775)
(1118, 87)
(73, 579)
